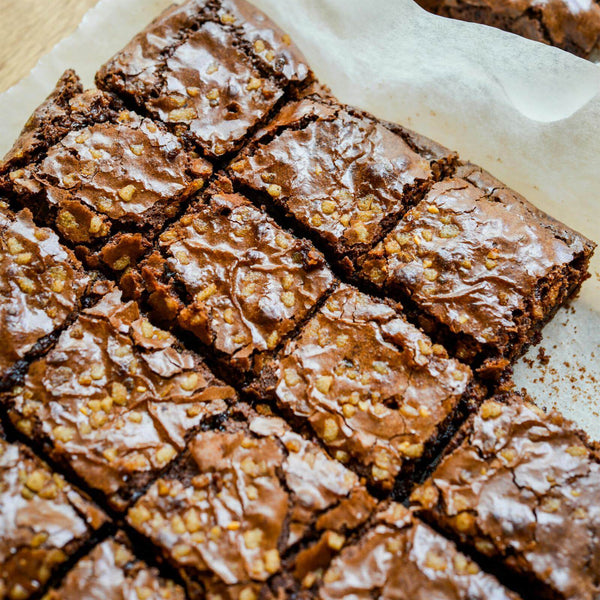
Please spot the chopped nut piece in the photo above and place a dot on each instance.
(126, 194)
(335, 540)
(491, 410)
(323, 383)
(274, 190)
(330, 430)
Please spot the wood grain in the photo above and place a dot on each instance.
(31, 28)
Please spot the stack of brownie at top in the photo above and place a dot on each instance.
(572, 26)
(246, 320)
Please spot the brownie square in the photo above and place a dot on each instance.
(115, 398)
(483, 268)
(111, 571)
(68, 107)
(108, 184)
(521, 487)
(377, 392)
(342, 175)
(212, 71)
(41, 286)
(230, 275)
(400, 557)
(44, 522)
(251, 503)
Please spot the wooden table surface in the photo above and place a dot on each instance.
(31, 28)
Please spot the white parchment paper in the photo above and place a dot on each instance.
(528, 113)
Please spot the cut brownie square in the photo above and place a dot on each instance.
(522, 487)
(374, 388)
(483, 269)
(108, 183)
(212, 71)
(252, 502)
(44, 522)
(111, 572)
(342, 175)
(41, 286)
(115, 398)
(234, 278)
(67, 108)
(401, 558)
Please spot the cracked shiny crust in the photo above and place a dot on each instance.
(111, 572)
(211, 70)
(244, 504)
(482, 262)
(401, 558)
(248, 282)
(115, 398)
(41, 285)
(568, 24)
(341, 174)
(522, 486)
(43, 522)
(126, 172)
(373, 387)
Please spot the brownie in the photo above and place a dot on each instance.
(481, 267)
(68, 107)
(401, 558)
(521, 487)
(107, 185)
(341, 175)
(41, 287)
(44, 522)
(230, 275)
(251, 503)
(572, 26)
(374, 388)
(115, 398)
(111, 572)
(212, 70)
